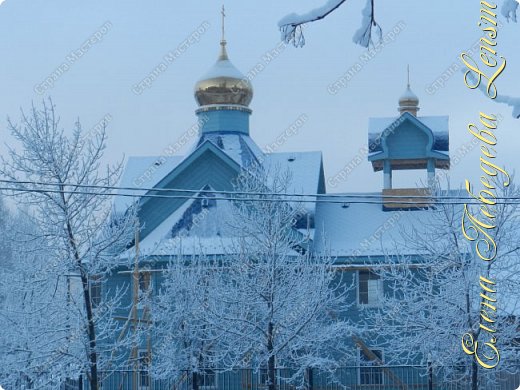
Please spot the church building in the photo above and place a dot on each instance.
(356, 229)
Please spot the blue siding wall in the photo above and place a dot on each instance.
(225, 121)
(407, 142)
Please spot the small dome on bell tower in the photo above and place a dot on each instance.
(409, 102)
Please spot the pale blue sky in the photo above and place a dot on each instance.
(37, 35)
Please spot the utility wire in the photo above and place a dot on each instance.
(234, 193)
(249, 199)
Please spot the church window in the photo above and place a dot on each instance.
(95, 291)
(370, 288)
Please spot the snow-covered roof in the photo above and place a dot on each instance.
(195, 227)
(305, 168)
(147, 172)
(198, 227)
(240, 147)
(355, 229)
(143, 172)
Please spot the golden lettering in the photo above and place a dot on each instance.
(488, 289)
(491, 32)
(471, 347)
(485, 151)
(474, 229)
(485, 210)
(478, 74)
(487, 19)
(484, 327)
(485, 3)
(484, 296)
(481, 198)
(477, 228)
(485, 182)
(485, 316)
(490, 118)
(472, 128)
(488, 305)
(496, 169)
(485, 59)
(492, 14)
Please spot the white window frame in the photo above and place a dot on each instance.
(95, 284)
(375, 282)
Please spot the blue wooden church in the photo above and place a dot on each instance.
(355, 233)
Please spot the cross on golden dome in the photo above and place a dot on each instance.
(223, 84)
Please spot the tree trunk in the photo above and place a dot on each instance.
(271, 370)
(309, 379)
(91, 329)
(91, 332)
(430, 375)
(194, 381)
(474, 375)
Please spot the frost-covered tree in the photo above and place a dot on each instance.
(56, 177)
(38, 347)
(291, 26)
(280, 305)
(433, 298)
(5, 244)
(187, 348)
(267, 303)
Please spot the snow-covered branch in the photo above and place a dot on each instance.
(291, 26)
(509, 9)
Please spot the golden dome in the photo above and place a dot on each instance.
(223, 84)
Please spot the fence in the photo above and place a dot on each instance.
(346, 378)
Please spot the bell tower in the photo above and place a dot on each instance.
(408, 142)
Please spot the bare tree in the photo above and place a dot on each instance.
(57, 178)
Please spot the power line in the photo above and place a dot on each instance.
(249, 199)
(343, 197)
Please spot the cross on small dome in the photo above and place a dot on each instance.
(409, 102)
